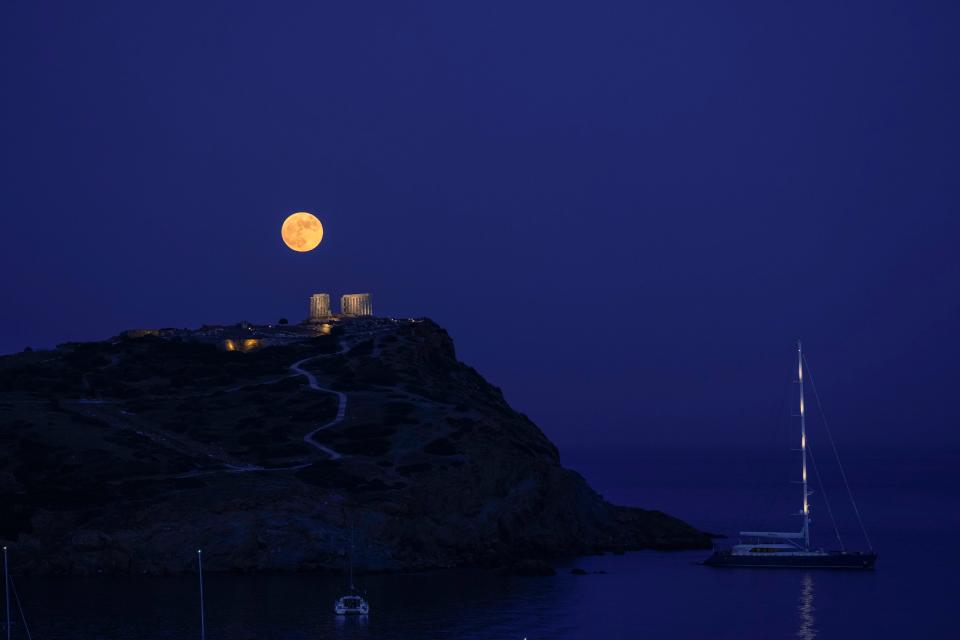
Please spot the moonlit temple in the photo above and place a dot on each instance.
(356, 304)
(319, 307)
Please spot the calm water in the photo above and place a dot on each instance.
(911, 508)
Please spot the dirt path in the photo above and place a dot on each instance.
(184, 446)
(341, 404)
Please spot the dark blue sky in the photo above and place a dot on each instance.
(624, 214)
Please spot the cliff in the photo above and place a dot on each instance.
(278, 449)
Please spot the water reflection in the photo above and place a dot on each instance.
(462, 604)
(353, 626)
(638, 595)
(805, 607)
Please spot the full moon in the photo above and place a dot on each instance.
(302, 231)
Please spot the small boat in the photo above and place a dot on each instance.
(777, 549)
(352, 603)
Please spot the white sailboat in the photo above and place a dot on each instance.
(353, 603)
(792, 549)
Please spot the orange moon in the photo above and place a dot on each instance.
(302, 231)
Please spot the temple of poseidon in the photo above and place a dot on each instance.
(356, 315)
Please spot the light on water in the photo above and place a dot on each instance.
(644, 594)
(806, 609)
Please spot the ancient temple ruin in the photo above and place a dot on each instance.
(356, 304)
(319, 307)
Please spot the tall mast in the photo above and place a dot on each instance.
(203, 613)
(352, 588)
(803, 451)
(6, 589)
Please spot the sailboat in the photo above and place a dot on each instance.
(352, 603)
(792, 549)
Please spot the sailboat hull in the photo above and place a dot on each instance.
(828, 560)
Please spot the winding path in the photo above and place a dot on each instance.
(341, 404)
(235, 466)
(296, 369)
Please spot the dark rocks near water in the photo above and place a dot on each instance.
(528, 568)
(125, 456)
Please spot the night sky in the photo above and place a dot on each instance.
(624, 213)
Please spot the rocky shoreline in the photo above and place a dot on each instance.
(124, 456)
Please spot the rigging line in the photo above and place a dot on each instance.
(836, 454)
(826, 500)
(783, 424)
(23, 616)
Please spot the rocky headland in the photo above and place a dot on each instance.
(280, 449)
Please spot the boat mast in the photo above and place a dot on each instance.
(6, 589)
(803, 451)
(352, 588)
(203, 613)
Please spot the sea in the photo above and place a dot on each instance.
(909, 501)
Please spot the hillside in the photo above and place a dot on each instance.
(276, 448)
